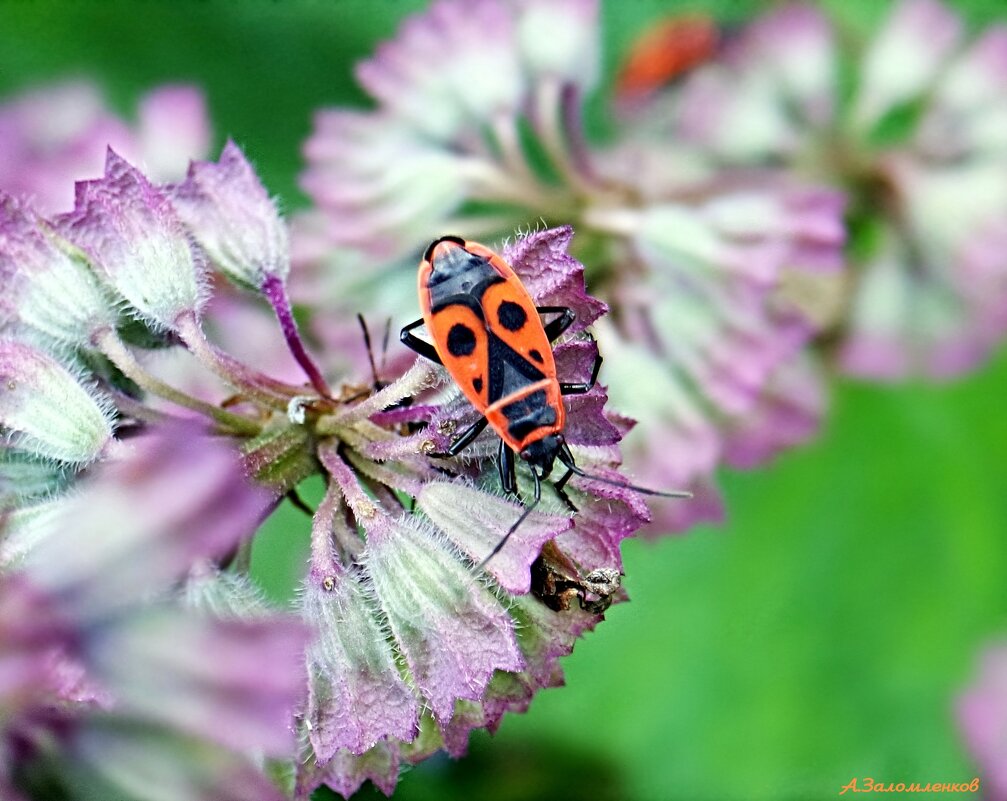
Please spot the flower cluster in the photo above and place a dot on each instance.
(109, 680)
(415, 646)
(411, 646)
(56, 134)
(158, 399)
(919, 147)
(704, 341)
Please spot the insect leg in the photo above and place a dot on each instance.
(505, 463)
(566, 458)
(580, 389)
(464, 439)
(560, 487)
(294, 497)
(413, 342)
(556, 327)
(527, 511)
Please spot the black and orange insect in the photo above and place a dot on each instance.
(489, 335)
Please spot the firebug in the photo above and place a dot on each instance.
(672, 47)
(489, 335)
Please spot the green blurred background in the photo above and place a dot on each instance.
(821, 635)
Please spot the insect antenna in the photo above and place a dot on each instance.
(517, 523)
(378, 384)
(566, 457)
(384, 342)
(626, 485)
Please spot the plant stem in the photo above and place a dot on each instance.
(551, 111)
(323, 556)
(260, 388)
(508, 140)
(276, 293)
(571, 110)
(114, 348)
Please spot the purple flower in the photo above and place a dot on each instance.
(51, 290)
(174, 127)
(982, 719)
(132, 235)
(128, 664)
(451, 631)
(475, 523)
(56, 134)
(233, 218)
(414, 648)
(920, 149)
(787, 414)
(30, 632)
(692, 260)
(411, 646)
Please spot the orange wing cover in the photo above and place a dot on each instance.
(489, 336)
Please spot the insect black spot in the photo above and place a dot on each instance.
(511, 315)
(535, 355)
(461, 340)
(477, 384)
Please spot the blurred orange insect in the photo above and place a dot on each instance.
(667, 50)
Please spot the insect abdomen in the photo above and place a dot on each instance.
(531, 414)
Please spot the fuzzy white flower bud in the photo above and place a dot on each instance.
(232, 217)
(133, 235)
(45, 408)
(55, 290)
